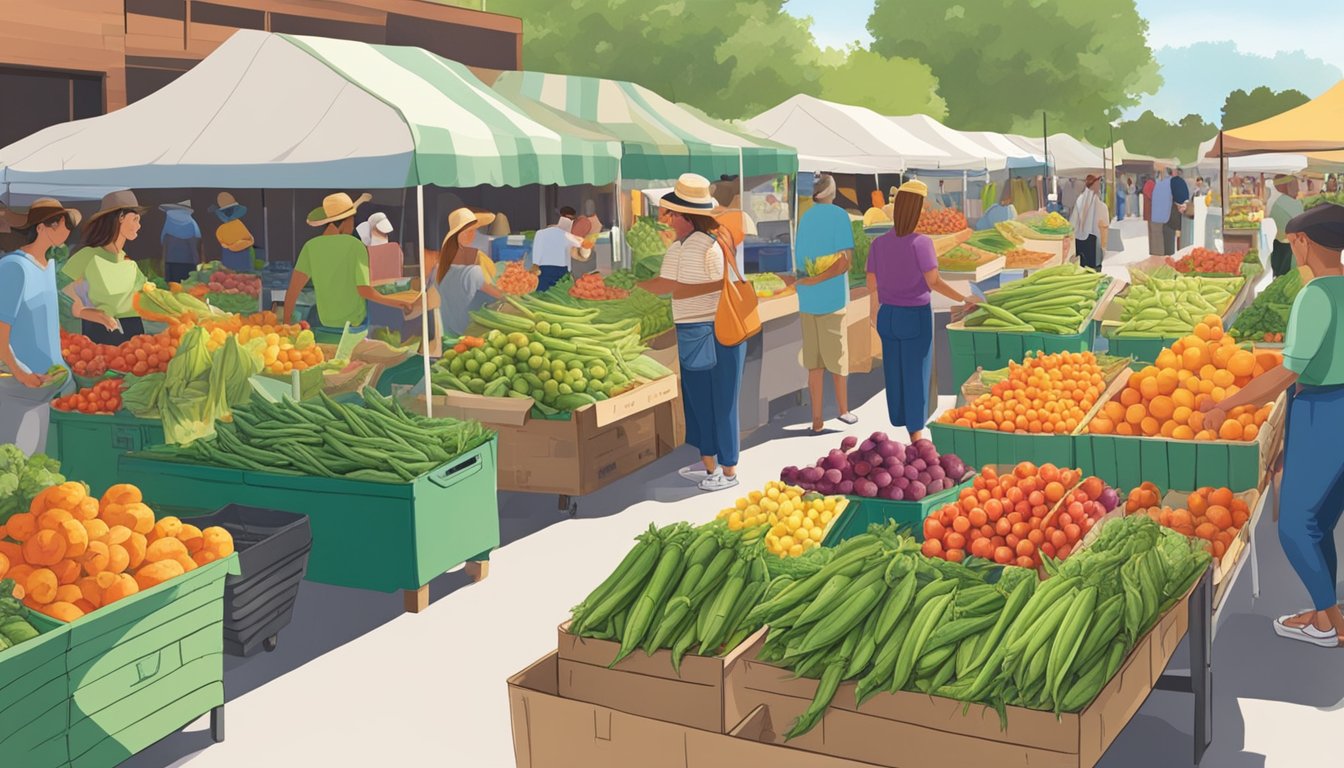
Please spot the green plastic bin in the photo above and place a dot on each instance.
(88, 446)
(100, 689)
(1144, 351)
(861, 513)
(980, 447)
(992, 350)
(408, 372)
(368, 535)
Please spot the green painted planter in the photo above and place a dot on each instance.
(979, 447)
(991, 350)
(88, 446)
(100, 689)
(368, 535)
(861, 513)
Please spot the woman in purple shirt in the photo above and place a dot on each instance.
(902, 270)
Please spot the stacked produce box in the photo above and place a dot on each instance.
(1163, 305)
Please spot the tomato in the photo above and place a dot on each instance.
(932, 548)
(954, 540)
(1064, 519)
(1003, 555)
(1025, 547)
(1026, 562)
(961, 525)
(1073, 532)
(933, 529)
(1003, 527)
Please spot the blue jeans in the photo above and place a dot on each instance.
(1120, 208)
(710, 398)
(1311, 494)
(907, 358)
(550, 276)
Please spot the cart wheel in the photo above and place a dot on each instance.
(574, 508)
(270, 643)
(569, 504)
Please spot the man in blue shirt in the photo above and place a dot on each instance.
(181, 241)
(1160, 237)
(825, 230)
(1180, 200)
(998, 213)
(30, 330)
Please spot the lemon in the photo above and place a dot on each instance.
(742, 503)
(795, 550)
(772, 493)
(826, 517)
(752, 509)
(734, 525)
(818, 534)
(779, 530)
(813, 514)
(785, 541)
(755, 496)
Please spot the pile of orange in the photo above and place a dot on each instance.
(1016, 518)
(1045, 394)
(517, 280)
(941, 222)
(83, 356)
(1212, 514)
(1165, 399)
(144, 354)
(102, 398)
(72, 553)
(592, 287)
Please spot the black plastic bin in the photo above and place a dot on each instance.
(272, 551)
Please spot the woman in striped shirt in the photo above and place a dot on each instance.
(711, 373)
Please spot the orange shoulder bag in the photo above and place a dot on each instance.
(738, 317)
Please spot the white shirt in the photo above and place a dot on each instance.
(698, 259)
(1088, 212)
(550, 246)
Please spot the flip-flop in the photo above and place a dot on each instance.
(1322, 638)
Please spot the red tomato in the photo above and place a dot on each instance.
(932, 548)
(1003, 555)
(954, 540)
(961, 524)
(956, 555)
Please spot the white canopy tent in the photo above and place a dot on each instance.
(844, 138)
(964, 153)
(1068, 156)
(1016, 157)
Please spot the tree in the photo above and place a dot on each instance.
(1149, 134)
(887, 86)
(1242, 108)
(1003, 61)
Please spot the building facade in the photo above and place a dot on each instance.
(64, 60)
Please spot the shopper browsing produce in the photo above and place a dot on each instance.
(235, 240)
(711, 373)
(1286, 206)
(902, 270)
(181, 241)
(824, 232)
(1313, 374)
(338, 264)
(462, 282)
(998, 213)
(1090, 221)
(30, 343)
(555, 247)
(104, 279)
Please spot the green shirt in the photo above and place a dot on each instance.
(1314, 345)
(113, 279)
(338, 266)
(1283, 211)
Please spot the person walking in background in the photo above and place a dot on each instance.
(999, 212)
(554, 247)
(711, 373)
(1161, 213)
(462, 283)
(1312, 485)
(1285, 208)
(102, 273)
(1201, 187)
(1133, 203)
(1090, 221)
(1121, 196)
(181, 241)
(30, 326)
(902, 271)
(824, 231)
(1180, 203)
(235, 240)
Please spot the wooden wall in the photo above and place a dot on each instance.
(86, 36)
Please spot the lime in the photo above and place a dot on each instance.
(536, 362)
(488, 370)
(565, 389)
(597, 372)
(510, 349)
(537, 348)
(519, 386)
(473, 366)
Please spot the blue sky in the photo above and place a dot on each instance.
(1280, 43)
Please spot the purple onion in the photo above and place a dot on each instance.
(894, 464)
(833, 476)
(900, 481)
(920, 464)
(825, 487)
(865, 488)
(844, 487)
(911, 473)
(848, 443)
(894, 493)
(862, 468)
(954, 467)
(935, 472)
(878, 437)
(881, 477)
(866, 446)
(935, 486)
(916, 491)
(1109, 498)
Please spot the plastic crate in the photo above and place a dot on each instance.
(1144, 351)
(88, 446)
(861, 513)
(272, 549)
(400, 535)
(992, 350)
(408, 372)
(34, 696)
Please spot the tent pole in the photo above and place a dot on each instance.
(793, 227)
(265, 226)
(424, 298)
(965, 190)
(617, 234)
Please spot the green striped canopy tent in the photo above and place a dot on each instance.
(659, 139)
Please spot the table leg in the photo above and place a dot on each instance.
(217, 724)
(1201, 662)
(415, 600)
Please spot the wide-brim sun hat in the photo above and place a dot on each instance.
(42, 210)
(123, 200)
(336, 207)
(692, 194)
(184, 205)
(462, 218)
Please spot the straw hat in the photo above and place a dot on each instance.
(462, 218)
(500, 227)
(184, 205)
(118, 201)
(336, 207)
(692, 194)
(227, 208)
(42, 209)
(915, 186)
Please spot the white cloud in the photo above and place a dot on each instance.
(1198, 77)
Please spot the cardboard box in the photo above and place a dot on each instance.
(934, 731)
(550, 731)
(859, 332)
(596, 445)
(647, 685)
(778, 306)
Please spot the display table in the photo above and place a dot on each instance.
(773, 367)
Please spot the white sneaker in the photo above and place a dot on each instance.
(718, 482)
(849, 418)
(696, 472)
(1324, 638)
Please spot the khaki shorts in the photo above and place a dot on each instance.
(825, 344)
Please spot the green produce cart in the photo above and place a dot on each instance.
(88, 446)
(979, 447)
(861, 513)
(367, 535)
(991, 350)
(100, 689)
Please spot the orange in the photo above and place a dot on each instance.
(1183, 397)
(1230, 430)
(1181, 414)
(1161, 407)
(1149, 388)
(1183, 432)
(1167, 382)
(1242, 363)
(1219, 516)
(1205, 387)
(1206, 531)
(1150, 426)
(1168, 428)
(1206, 435)
(1250, 432)
(1192, 384)
(1222, 497)
(1134, 414)
(1222, 354)
(1202, 331)
(1129, 396)
(1192, 359)
(1124, 428)
(1102, 425)
(1166, 359)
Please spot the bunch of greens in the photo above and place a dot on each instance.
(858, 266)
(23, 477)
(14, 625)
(198, 387)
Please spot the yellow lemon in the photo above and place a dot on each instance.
(795, 550)
(742, 503)
(785, 541)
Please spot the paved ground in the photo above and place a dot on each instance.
(355, 681)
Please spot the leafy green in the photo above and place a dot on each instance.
(23, 477)
(858, 266)
(142, 395)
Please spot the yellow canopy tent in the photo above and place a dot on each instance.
(1315, 129)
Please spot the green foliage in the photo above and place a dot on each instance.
(22, 478)
(892, 86)
(1149, 134)
(1243, 108)
(1002, 62)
